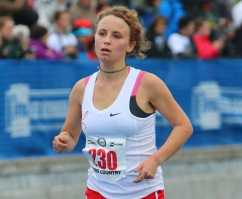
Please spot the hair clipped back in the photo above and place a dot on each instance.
(137, 34)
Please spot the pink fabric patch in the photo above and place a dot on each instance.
(86, 80)
(137, 83)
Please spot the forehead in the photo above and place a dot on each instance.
(8, 22)
(113, 23)
(64, 15)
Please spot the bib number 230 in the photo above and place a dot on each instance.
(104, 159)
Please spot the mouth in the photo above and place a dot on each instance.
(105, 50)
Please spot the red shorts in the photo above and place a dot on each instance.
(90, 194)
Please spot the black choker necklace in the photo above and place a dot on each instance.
(113, 71)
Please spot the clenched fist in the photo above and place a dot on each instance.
(63, 142)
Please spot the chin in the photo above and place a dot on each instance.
(104, 57)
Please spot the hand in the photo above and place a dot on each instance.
(70, 50)
(218, 44)
(63, 142)
(147, 169)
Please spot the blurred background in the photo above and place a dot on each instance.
(47, 45)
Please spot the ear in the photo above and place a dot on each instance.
(131, 47)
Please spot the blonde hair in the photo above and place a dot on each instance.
(137, 34)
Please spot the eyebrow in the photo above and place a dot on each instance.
(115, 31)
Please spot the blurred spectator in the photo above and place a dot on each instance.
(211, 10)
(192, 7)
(84, 9)
(10, 47)
(21, 11)
(208, 11)
(237, 14)
(22, 33)
(180, 43)
(120, 2)
(205, 47)
(101, 5)
(172, 10)
(136, 3)
(83, 30)
(237, 42)
(38, 44)
(89, 52)
(8, 7)
(47, 8)
(62, 39)
(155, 34)
(226, 30)
(224, 8)
(26, 15)
(148, 11)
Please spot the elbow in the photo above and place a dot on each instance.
(189, 129)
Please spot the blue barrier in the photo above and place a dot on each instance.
(34, 96)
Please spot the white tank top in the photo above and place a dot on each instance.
(116, 142)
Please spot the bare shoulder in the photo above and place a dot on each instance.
(153, 84)
(151, 78)
(158, 93)
(79, 85)
(78, 90)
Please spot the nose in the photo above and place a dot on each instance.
(107, 40)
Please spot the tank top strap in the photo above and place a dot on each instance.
(137, 83)
(86, 79)
(88, 91)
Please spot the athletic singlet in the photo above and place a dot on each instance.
(116, 142)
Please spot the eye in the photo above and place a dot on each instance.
(117, 35)
(101, 33)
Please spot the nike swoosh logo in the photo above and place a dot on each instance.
(113, 114)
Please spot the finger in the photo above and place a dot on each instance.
(139, 168)
(140, 177)
(56, 147)
(59, 146)
(60, 143)
(56, 140)
(63, 139)
(149, 176)
(54, 144)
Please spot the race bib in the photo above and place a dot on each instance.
(106, 157)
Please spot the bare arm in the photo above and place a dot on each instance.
(160, 98)
(69, 135)
(163, 101)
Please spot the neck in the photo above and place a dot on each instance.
(113, 71)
